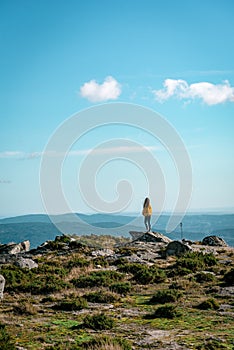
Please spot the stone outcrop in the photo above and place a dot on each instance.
(214, 241)
(103, 252)
(15, 248)
(26, 263)
(149, 237)
(2, 285)
(177, 248)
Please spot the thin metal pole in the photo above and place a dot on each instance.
(181, 230)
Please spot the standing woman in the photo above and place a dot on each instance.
(147, 212)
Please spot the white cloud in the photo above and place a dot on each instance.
(11, 154)
(209, 93)
(110, 89)
(19, 155)
(117, 150)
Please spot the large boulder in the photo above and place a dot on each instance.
(26, 263)
(155, 237)
(214, 241)
(177, 248)
(2, 285)
(15, 248)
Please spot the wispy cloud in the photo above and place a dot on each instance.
(209, 93)
(5, 182)
(73, 153)
(115, 150)
(110, 89)
(11, 154)
(19, 155)
(107, 150)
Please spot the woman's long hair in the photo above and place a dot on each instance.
(146, 202)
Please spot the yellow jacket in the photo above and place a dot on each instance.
(147, 211)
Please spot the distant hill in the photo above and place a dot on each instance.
(38, 227)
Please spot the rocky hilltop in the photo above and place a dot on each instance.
(104, 292)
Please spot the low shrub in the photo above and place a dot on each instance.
(46, 284)
(178, 271)
(121, 262)
(195, 261)
(6, 342)
(55, 245)
(143, 274)
(75, 304)
(127, 251)
(48, 299)
(229, 277)
(97, 279)
(149, 275)
(98, 322)
(63, 239)
(176, 285)
(212, 344)
(77, 262)
(121, 287)
(35, 281)
(101, 297)
(24, 308)
(105, 342)
(132, 268)
(209, 304)
(100, 261)
(204, 277)
(51, 269)
(16, 278)
(165, 296)
(167, 311)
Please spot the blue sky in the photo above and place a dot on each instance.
(61, 57)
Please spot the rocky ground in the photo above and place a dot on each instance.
(114, 293)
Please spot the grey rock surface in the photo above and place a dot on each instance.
(26, 263)
(177, 248)
(214, 241)
(2, 285)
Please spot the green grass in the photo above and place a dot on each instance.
(68, 281)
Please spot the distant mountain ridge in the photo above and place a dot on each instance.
(39, 227)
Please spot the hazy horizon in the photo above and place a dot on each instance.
(211, 211)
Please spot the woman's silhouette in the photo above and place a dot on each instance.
(147, 212)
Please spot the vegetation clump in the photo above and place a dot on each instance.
(97, 279)
(212, 344)
(36, 281)
(169, 311)
(77, 261)
(105, 342)
(195, 261)
(74, 304)
(98, 321)
(143, 274)
(6, 342)
(229, 277)
(100, 261)
(165, 296)
(101, 297)
(203, 277)
(24, 308)
(122, 288)
(209, 304)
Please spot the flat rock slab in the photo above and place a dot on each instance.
(149, 237)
